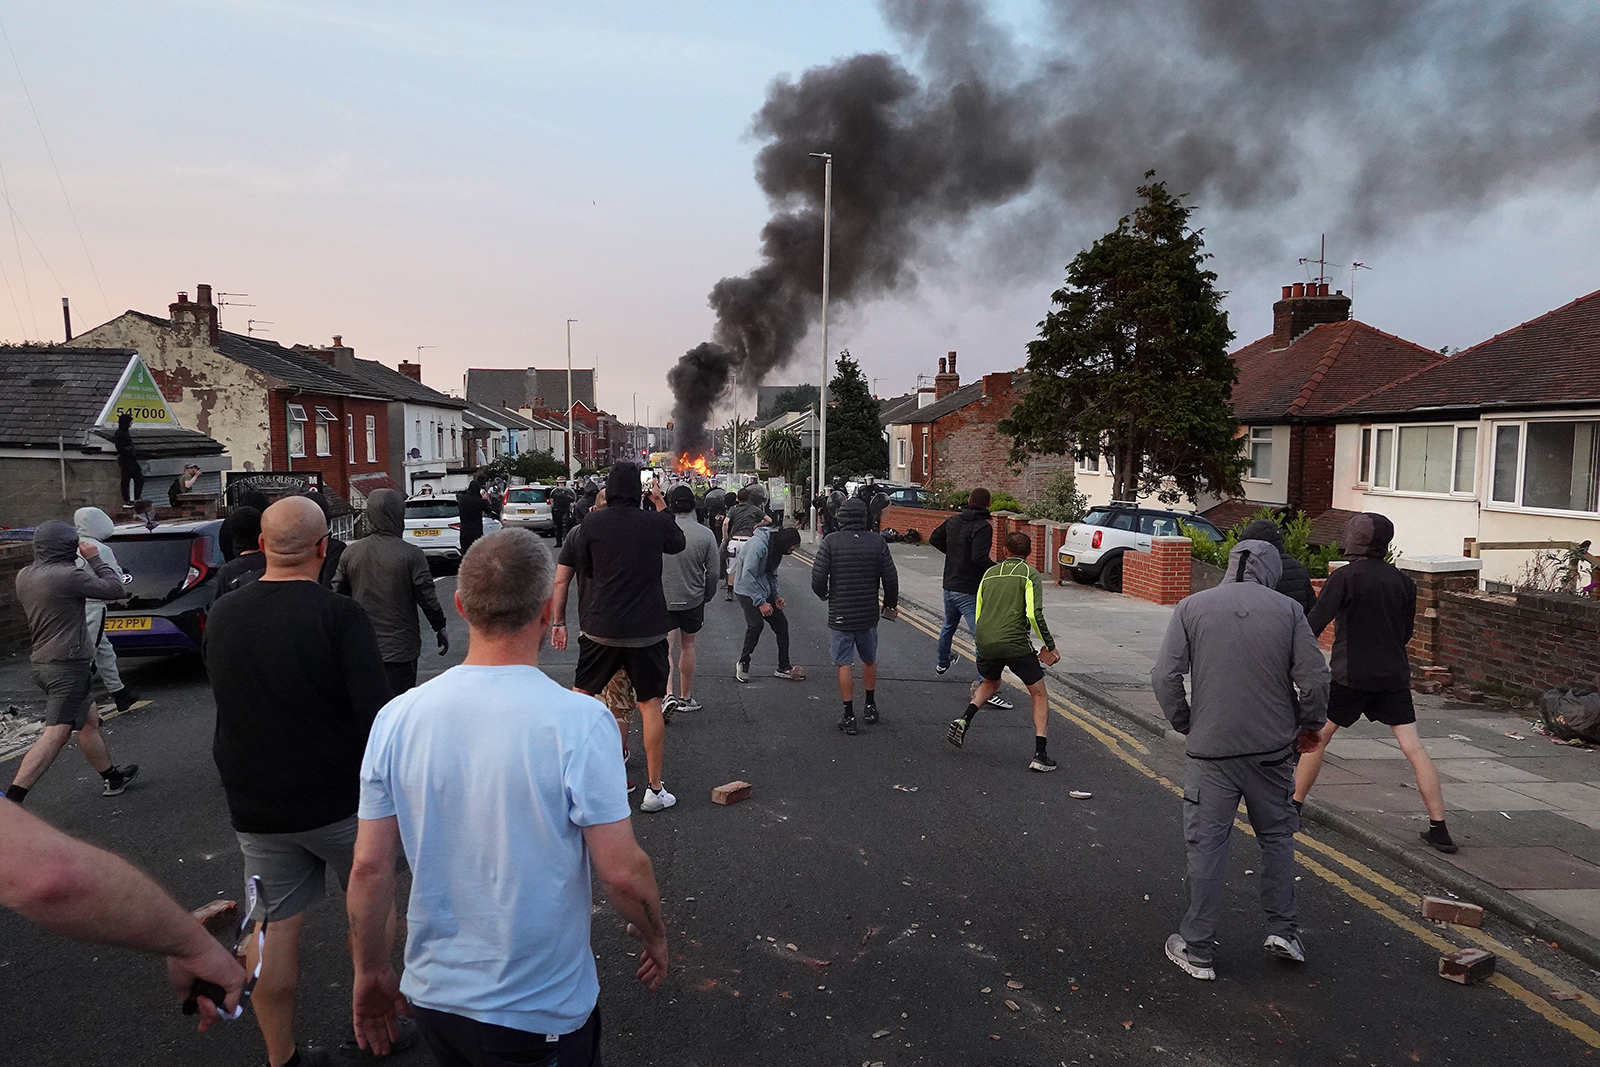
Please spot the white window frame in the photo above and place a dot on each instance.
(901, 451)
(1088, 464)
(295, 424)
(324, 434)
(350, 437)
(372, 438)
(1486, 445)
(927, 449)
(1368, 477)
(1251, 440)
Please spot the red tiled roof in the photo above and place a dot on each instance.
(1325, 369)
(1551, 360)
(1231, 513)
(1327, 528)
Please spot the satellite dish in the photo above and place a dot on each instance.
(415, 453)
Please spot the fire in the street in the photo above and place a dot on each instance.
(697, 464)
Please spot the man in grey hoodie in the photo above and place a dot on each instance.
(391, 580)
(689, 581)
(95, 526)
(1247, 650)
(52, 591)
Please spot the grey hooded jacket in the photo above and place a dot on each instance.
(95, 525)
(850, 564)
(390, 579)
(1246, 648)
(52, 591)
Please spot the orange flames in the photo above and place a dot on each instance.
(697, 464)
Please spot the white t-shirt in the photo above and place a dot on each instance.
(493, 772)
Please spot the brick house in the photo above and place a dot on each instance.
(1292, 385)
(953, 438)
(273, 408)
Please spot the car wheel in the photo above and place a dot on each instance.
(1111, 575)
(1081, 576)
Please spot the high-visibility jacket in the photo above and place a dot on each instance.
(1010, 604)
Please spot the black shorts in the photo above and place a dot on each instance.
(1028, 669)
(646, 667)
(689, 620)
(1390, 707)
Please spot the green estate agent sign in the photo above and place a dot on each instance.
(138, 395)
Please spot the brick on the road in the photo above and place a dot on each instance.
(219, 916)
(1467, 965)
(1452, 911)
(731, 793)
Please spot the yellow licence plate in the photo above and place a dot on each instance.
(425, 533)
(1068, 560)
(128, 622)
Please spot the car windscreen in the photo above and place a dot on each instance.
(1204, 529)
(159, 564)
(528, 496)
(431, 509)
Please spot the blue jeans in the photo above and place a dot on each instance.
(957, 606)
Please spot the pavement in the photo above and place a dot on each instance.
(1524, 808)
(881, 899)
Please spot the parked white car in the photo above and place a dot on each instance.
(433, 524)
(528, 506)
(1091, 550)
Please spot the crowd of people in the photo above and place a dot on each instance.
(501, 789)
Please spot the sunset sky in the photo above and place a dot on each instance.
(469, 176)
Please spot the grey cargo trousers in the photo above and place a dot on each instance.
(1211, 795)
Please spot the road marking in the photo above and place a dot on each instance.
(1114, 738)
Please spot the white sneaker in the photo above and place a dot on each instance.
(1178, 952)
(656, 801)
(689, 704)
(741, 672)
(1285, 948)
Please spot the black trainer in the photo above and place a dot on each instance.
(125, 698)
(1439, 838)
(872, 715)
(1042, 762)
(119, 779)
(957, 734)
(848, 725)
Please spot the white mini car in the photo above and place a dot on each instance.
(1091, 550)
(433, 524)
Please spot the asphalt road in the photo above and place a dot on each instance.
(884, 898)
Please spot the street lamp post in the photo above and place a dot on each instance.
(572, 471)
(827, 250)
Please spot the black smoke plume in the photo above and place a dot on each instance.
(1362, 118)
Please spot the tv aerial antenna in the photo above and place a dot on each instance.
(253, 326)
(223, 302)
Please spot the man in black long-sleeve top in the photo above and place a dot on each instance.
(1376, 609)
(298, 679)
(965, 539)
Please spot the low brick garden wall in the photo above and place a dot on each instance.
(1528, 642)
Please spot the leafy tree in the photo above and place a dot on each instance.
(856, 444)
(796, 398)
(742, 430)
(1062, 501)
(782, 451)
(1133, 362)
(536, 467)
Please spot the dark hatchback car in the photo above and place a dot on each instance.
(174, 569)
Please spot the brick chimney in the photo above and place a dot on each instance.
(195, 321)
(947, 380)
(997, 384)
(1304, 305)
(411, 370)
(339, 356)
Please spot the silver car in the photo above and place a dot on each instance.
(528, 506)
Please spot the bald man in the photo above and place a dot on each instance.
(298, 679)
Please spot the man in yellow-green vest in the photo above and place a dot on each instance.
(1010, 605)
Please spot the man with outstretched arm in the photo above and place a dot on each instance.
(1258, 692)
(501, 788)
(1010, 614)
(78, 891)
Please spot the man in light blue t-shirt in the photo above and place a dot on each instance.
(501, 787)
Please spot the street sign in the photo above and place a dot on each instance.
(138, 395)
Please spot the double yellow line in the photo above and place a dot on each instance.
(1362, 884)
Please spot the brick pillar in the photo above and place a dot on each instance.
(1162, 575)
(1040, 557)
(1435, 575)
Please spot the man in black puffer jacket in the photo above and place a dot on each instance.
(1296, 580)
(851, 563)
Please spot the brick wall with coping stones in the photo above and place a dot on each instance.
(1426, 637)
(14, 555)
(1311, 453)
(1526, 641)
(1162, 575)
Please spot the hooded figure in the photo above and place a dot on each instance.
(850, 565)
(1246, 649)
(471, 508)
(249, 562)
(1376, 606)
(128, 459)
(95, 525)
(1296, 581)
(755, 583)
(390, 578)
(250, 498)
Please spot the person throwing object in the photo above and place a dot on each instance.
(1010, 610)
